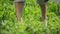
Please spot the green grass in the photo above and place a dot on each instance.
(30, 23)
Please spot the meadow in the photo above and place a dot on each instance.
(30, 23)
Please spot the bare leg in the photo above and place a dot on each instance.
(43, 9)
(19, 7)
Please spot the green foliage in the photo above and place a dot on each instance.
(30, 23)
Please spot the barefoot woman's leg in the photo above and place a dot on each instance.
(43, 5)
(43, 9)
(19, 4)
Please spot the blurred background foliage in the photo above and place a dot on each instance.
(30, 23)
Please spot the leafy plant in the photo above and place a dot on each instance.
(30, 23)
